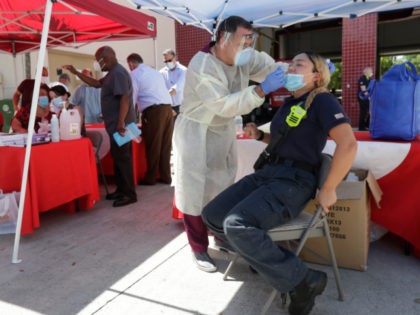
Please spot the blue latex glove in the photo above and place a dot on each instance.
(331, 66)
(273, 81)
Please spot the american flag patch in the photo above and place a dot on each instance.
(339, 116)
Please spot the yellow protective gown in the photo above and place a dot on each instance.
(204, 136)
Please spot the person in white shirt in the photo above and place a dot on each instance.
(174, 75)
(154, 102)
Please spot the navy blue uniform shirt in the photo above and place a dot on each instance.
(306, 141)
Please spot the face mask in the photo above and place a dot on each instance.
(170, 65)
(58, 102)
(243, 56)
(96, 66)
(294, 82)
(43, 101)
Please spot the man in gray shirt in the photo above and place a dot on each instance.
(117, 112)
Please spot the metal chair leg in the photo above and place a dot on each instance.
(283, 300)
(232, 262)
(333, 260)
(103, 177)
(269, 302)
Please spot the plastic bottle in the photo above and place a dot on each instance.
(55, 129)
(239, 126)
(70, 124)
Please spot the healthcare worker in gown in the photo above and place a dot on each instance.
(216, 90)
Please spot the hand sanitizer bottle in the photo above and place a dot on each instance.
(55, 129)
(239, 126)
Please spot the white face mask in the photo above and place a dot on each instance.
(58, 102)
(243, 56)
(170, 65)
(96, 66)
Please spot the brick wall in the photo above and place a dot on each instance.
(189, 40)
(359, 40)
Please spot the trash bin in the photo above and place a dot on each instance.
(6, 108)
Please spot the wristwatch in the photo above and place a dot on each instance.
(261, 136)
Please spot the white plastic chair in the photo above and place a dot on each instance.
(305, 226)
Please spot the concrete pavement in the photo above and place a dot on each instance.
(136, 260)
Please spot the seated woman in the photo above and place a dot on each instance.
(278, 192)
(20, 121)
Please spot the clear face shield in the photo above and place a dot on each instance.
(240, 41)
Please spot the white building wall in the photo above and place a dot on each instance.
(10, 77)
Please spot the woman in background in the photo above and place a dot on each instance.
(20, 121)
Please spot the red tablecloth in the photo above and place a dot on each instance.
(400, 204)
(138, 152)
(59, 173)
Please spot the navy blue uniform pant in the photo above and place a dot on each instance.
(244, 212)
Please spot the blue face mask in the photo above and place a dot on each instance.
(43, 101)
(294, 82)
(243, 56)
(58, 102)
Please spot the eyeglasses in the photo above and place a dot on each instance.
(249, 40)
(166, 61)
(252, 36)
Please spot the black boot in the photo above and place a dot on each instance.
(303, 295)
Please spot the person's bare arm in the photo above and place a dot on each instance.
(251, 131)
(17, 126)
(88, 80)
(343, 157)
(16, 97)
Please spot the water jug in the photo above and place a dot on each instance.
(70, 124)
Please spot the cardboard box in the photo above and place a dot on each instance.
(348, 220)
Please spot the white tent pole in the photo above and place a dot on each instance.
(34, 104)
(14, 61)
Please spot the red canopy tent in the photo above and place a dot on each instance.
(37, 24)
(73, 23)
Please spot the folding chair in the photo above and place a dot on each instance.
(305, 226)
(96, 138)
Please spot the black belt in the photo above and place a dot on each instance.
(298, 164)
